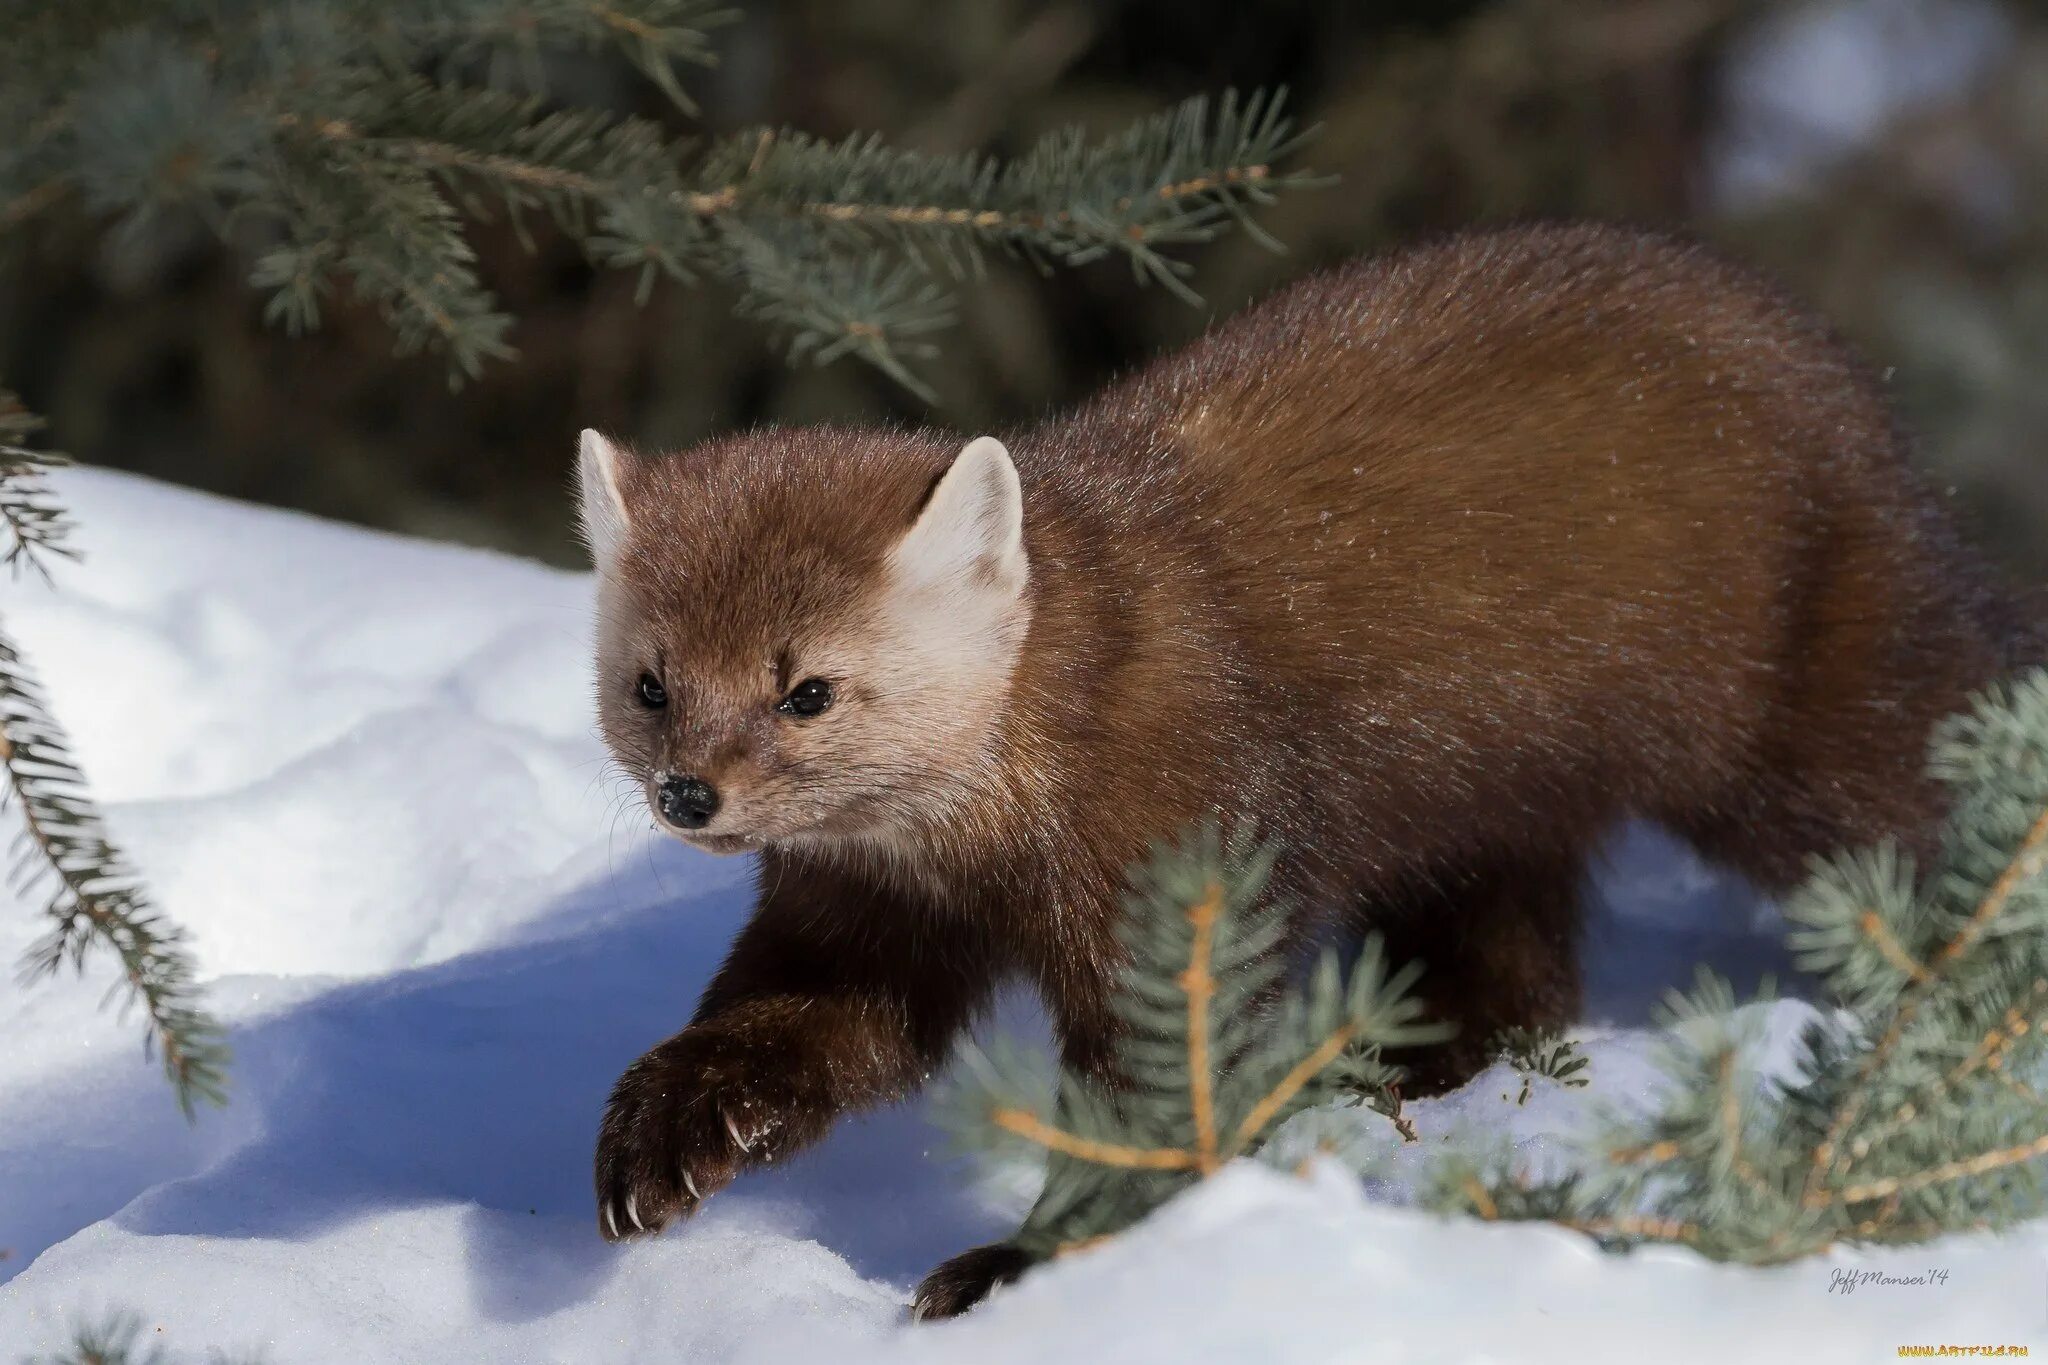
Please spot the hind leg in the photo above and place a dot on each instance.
(1499, 945)
(1829, 780)
(1888, 639)
(1772, 829)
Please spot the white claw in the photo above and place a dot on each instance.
(633, 1213)
(733, 1129)
(610, 1221)
(691, 1186)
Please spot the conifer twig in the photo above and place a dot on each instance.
(1482, 1199)
(2024, 863)
(1730, 1110)
(1894, 952)
(1290, 1085)
(1985, 1055)
(1034, 1129)
(1958, 1169)
(1199, 985)
(1210, 1045)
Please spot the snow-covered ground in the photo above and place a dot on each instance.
(362, 771)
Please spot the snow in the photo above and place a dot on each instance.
(362, 771)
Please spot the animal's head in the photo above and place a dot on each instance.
(805, 636)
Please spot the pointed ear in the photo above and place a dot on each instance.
(602, 468)
(971, 531)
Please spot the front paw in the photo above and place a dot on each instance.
(682, 1122)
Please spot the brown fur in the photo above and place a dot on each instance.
(1434, 566)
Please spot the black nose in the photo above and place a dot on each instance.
(688, 802)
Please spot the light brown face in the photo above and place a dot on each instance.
(768, 673)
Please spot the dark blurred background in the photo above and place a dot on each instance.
(1887, 159)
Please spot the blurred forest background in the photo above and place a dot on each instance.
(1887, 159)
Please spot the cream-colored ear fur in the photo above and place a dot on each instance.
(953, 611)
(601, 468)
(970, 536)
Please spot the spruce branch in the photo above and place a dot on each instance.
(1198, 984)
(800, 222)
(1959, 1169)
(1055, 1139)
(1288, 1089)
(839, 303)
(94, 901)
(345, 135)
(1213, 1054)
(38, 525)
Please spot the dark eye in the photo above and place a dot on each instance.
(807, 698)
(652, 694)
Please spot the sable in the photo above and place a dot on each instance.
(1433, 567)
